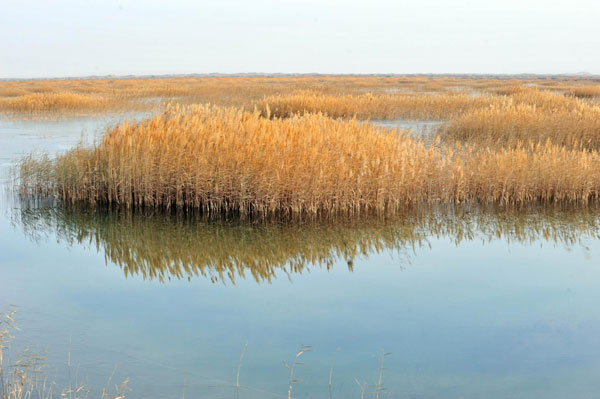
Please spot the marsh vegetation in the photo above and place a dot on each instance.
(273, 210)
(298, 146)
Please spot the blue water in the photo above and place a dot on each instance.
(495, 314)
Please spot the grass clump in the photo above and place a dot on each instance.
(527, 173)
(227, 160)
(47, 102)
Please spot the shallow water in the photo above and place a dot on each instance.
(425, 129)
(471, 303)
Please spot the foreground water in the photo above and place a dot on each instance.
(470, 303)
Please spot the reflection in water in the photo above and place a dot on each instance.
(183, 246)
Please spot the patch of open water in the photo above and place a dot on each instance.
(424, 129)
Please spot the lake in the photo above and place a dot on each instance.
(470, 303)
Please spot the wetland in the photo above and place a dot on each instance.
(475, 297)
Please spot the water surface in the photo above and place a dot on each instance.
(472, 303)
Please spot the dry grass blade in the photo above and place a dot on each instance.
(301, 350)
(379, 387)
(363, 388)
(239, 368)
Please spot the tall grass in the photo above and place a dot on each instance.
(227, 161)
(225, 91)
(98, 95)
(509, 90)
(438, 106)
(45, 102)
(530, 115)
(585, 91)
(378, 106)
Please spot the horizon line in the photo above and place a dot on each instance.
(579, 76)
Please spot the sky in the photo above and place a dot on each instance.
(61, 38)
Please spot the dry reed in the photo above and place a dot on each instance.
(227, 161)
(509, 90)
(509, 125)
(530, 115)
(378, 106)
(143, 93)
(585, 91)
(224, 160)
(47, 102)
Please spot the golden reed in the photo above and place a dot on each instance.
(226, 160)
(98, 95)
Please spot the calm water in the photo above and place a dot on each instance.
(471, 304)
(418, 128)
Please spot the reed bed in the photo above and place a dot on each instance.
(513, 124)
(509, 90)
(245, 91)
(528, 173)
(379, 106)
(585, 91)
(228, 161)
(235, 91)
(530, 115)
(420, 106)
(49, 102)
(544, 99)
(247, 86)
(142, 94)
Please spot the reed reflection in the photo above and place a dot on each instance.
(161, 247)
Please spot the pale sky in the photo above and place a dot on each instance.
(59, 38)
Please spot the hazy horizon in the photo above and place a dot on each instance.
(69, 38)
